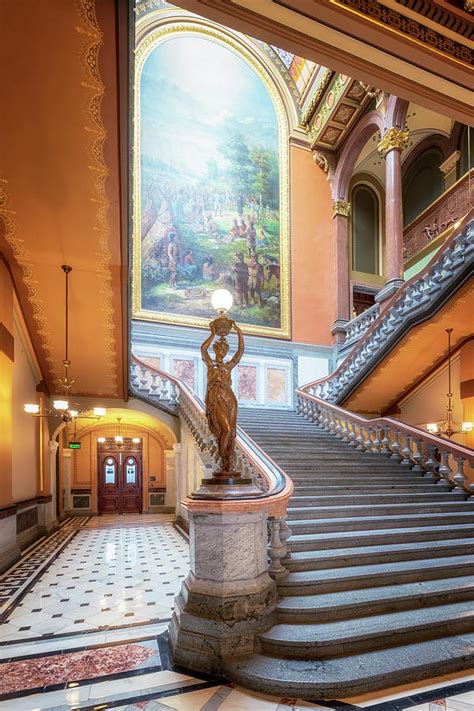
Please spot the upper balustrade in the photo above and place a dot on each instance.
(426, 453)
(414, 302)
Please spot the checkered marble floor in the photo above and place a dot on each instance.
(111, 573)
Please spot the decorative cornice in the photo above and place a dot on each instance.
(308, 113)
(393, 139)
(341, 207)
(389, 19)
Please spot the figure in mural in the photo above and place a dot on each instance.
(241, 280)
(213, 195)
(221, 403)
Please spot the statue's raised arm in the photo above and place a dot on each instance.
(205, 346)
(240, 346)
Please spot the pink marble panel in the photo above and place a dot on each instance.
(247, 382)
(153, 361)
(185, 371)
(276, 385)
(64, 668)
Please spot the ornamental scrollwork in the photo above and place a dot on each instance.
(393, 139)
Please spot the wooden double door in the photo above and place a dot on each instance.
(120, 481)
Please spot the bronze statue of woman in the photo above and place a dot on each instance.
(221, 403)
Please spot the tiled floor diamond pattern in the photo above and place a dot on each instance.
(106, 577)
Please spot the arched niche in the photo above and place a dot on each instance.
(366, 221)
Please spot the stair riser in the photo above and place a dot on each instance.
(380, 539)
(371, 641)
(374, 558)
(300, 527)
(352, 511)
(348, 500)
(377, 490)
(382, 607)
(314, 587)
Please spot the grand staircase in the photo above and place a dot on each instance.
(381, 583)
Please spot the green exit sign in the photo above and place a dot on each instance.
(74, 445)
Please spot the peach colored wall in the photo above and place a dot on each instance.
(25, 455)
(312, 254)
(467, 373)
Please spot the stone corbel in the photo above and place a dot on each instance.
(325, 161)
(393, 139)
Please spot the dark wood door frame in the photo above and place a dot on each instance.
(120, 477)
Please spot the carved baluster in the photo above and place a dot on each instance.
(360, 439)
(338, 428)
(332, 422)
(154, 385)
(459, 477)
(368, 441)
(135, 381)
(377, 442)
(345, 431)
(285, 533)
(174, 393)
(143, 379)
(430, 463)
(396, 446)
(385, 443)
(406, 451)
(418, 456)
(276, 550)
(352, 436)
(445, 470)
(164, 389)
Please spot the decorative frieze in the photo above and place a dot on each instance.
(393, 139)
(341, 207)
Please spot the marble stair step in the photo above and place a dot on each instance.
(348, 499)
(356, 523)
(366, 576)
(389, 509)
(370, 601)
(379, 490)
(319, 640)
(343, 479)
(352, 675)
(364, 555)
(360, 538)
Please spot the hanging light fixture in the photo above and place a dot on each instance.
(449, 427)
(61, 406)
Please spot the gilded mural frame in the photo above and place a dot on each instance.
(161, 34)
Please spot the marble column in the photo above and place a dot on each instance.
(228, 596)
(47, 512)
(341, 212)
(390, 148)
(67, 481)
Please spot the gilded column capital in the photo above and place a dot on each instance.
(393, 139)
(341, 207)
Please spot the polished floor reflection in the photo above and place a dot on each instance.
(85, 617)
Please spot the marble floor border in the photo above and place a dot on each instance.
(97, 630)
(18, 580)
(156, 696)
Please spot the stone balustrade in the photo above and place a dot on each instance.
(436, 457)
(414, 302)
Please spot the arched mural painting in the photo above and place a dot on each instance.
(210, 183)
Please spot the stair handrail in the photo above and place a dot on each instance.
(413, 303)
(383, 435)
(171, 394)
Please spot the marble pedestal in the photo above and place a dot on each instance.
(228, 596)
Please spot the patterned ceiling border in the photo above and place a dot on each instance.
(410, 29)
(93, 40)
(25, 263)
(309, 112)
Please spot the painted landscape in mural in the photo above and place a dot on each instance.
(210, 192)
